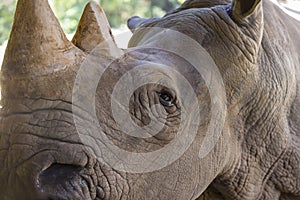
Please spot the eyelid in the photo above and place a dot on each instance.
(169, 91)
(170, 103)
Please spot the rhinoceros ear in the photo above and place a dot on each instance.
(93, 28)
(244, 8)
(135, 22)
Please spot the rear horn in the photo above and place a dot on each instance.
(93, 28)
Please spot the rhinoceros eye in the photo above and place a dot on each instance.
(166, 99)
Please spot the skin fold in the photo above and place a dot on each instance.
(255, 47)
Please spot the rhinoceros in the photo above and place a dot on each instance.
(204, 104)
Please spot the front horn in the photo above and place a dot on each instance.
(37, 42)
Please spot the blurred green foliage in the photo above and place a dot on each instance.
(69, 11)
(6, 15)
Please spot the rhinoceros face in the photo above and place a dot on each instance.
(164, 119)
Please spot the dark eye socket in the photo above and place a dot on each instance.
(166, 98)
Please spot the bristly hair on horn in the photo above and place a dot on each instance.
(93, 28)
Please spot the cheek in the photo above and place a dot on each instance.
(189, 174)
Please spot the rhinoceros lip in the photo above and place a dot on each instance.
(61, 181)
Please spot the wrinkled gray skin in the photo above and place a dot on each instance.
(256, 48)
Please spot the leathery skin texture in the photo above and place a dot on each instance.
(52, 146)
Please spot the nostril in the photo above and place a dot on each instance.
(61, 181)
(58, 173)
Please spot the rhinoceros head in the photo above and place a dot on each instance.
(174, 116)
